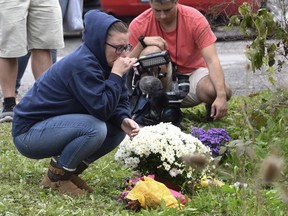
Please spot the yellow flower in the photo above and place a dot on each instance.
(209, 181)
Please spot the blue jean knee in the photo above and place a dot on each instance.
(73, 138)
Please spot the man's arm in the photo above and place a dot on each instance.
(219, 106)
(149, 41)
(137, 29)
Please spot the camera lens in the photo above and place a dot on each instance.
(183, 84)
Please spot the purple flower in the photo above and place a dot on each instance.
(213, 138)
(122, 196)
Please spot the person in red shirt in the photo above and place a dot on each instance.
(191, 44)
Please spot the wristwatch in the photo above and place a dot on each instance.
(141, 40)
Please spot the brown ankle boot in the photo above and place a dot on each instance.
(60, 180)
(78, 180)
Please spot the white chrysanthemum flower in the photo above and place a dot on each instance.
(170, 159)
(163, 144)
(132, 162)
(166, 166)
(189, 174)
(174, 172)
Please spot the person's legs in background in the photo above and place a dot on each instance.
(11, 48)
(54, 55)
(45, 28)
(23, 61)
(40, 61)
(63, 5)
(22, 65)
(8, 76)
(38, 44)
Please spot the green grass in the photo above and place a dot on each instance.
(258, 124)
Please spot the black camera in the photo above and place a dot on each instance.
(164, 105)
(154, 59)
(180, 83)
(180, 88)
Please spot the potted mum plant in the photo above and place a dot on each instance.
(214, 138)
(159, 150)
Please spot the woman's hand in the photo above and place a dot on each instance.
(122, 65)
(130, 127)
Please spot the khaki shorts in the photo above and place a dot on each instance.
(29, 24)
(191, 98)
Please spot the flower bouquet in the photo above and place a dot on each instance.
(214, 138)
(159, 150)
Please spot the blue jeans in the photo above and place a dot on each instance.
(72, 138)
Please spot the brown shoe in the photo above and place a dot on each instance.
(78, 180)
(80, 183)
(62, 186)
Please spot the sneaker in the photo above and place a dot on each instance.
(7, 114)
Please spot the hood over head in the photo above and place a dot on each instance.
(95, 32)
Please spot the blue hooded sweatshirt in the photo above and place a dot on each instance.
(80, 83)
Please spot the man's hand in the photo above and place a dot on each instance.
(156, 41)
(130, 127)
(219, 108)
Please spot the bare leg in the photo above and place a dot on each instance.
(8, 75)
(40, 60)
(206, 92)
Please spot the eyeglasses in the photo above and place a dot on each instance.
(120, 49)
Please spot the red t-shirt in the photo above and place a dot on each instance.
(192, 34)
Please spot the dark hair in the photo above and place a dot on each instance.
(163, 1)
(119, 26)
